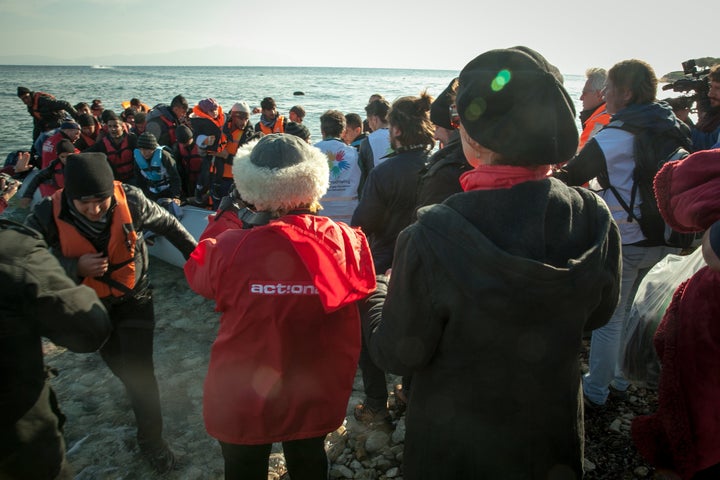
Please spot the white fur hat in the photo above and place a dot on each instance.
(280, 172)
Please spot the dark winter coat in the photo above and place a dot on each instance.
(488, 299)
(440, 178)
(388, 203)
(37, 300)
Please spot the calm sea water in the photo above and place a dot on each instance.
(344, 89)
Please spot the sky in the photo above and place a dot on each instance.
(573, 35)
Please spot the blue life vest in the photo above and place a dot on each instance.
(154, 172)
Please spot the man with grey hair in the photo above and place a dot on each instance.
(593, 116)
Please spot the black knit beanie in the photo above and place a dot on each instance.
(297, 129)
(88, 175)
(512, 102)
(22, 91)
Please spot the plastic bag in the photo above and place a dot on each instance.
(640, 363)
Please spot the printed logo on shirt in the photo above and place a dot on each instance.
(281, 288)
(337, 163)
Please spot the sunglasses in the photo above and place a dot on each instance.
(454, 116)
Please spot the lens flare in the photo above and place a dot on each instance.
(501, 79)
(476, 108)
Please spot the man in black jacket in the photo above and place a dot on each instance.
(37, 299)
(46, 110)
(95, 227)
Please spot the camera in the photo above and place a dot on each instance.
(695, 80)
(9, 182)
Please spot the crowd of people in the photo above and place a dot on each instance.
(473, 270)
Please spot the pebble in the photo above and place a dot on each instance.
(376, 441)
(641, 471)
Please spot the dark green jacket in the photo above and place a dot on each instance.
(37, 300)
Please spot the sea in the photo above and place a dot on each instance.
(317, 89)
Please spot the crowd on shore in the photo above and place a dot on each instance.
(473, 272)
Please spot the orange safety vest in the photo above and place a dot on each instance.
(120, 277)
(278, 127)
(594, 123)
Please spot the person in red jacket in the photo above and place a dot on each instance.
(681, 439)
(283, 363)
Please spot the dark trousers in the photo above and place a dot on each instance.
(305, 460)
(374, 383)
(129, 354)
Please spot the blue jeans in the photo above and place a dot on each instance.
(605, 343)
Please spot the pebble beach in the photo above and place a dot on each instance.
(100, 430)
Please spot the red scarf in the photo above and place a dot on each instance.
(491, 177)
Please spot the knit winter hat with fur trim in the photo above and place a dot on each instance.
(512, 102)
(280, 172)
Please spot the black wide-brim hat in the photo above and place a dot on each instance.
(512, 102)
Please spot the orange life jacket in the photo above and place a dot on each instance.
(233, 139)
(144, 107)
(120, 277)
(594, 123)
(36, 103)
(278, 127)
(227, 168)
(219, 122)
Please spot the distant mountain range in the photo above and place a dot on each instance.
(215, 56)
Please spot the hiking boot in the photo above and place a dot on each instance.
(370, 416)
(162, 459)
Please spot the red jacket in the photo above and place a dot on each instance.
(283, 363)
(48, 148)
(684, 432)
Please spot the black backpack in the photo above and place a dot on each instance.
(652, 149)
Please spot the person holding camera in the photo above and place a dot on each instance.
(706, 134)
(8, 186)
